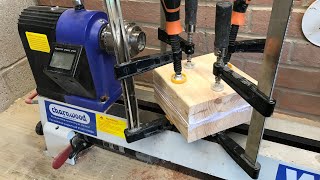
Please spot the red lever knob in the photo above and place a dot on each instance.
(29, 99)
(59, 160)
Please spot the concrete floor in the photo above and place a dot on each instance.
(22, 157)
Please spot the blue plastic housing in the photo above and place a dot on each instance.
(82, 27)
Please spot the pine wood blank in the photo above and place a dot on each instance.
(193, 107)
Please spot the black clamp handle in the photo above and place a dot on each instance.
(246, 89)
(222, 25)
(191, 7)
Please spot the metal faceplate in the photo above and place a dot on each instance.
(136, 39)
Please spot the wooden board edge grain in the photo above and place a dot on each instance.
(204, 130)
(183, 128)
(158, 81)
(234, 100)
(225, 123)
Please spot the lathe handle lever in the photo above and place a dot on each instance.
(61, 158)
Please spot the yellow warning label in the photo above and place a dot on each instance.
(38, 42)
(111, 125)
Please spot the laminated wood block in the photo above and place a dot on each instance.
(195, 109)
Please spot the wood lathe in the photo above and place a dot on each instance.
(83, 65)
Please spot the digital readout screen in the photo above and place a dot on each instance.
(62, 60)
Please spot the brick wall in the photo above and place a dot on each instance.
(15, 74)
(298, 83)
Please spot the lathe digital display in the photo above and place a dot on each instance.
(62, 60)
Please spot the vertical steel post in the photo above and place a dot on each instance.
(122, 54)
(280, 15)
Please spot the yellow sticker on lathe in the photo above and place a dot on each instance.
(38, 42)
(111, 125)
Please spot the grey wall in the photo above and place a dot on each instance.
(15, 75)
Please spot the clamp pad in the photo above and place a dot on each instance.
(179, 81)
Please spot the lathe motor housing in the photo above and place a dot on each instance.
(70, 54)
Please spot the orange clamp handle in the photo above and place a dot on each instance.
(238, 18)
(173, 28)
(172, 10)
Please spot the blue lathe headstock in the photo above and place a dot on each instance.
(78, 65)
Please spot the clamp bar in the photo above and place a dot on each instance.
(247, 46)
(280, 15)
(141, 65)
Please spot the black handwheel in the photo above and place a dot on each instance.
(39, 129)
